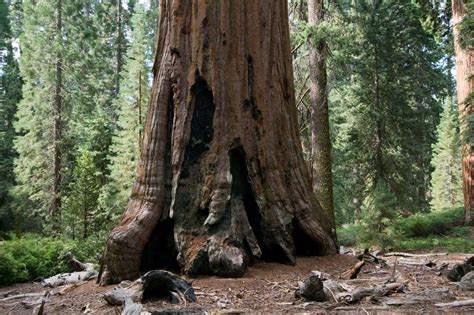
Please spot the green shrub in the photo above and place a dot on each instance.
(378, 214)
(449, 244)
(433, 223)
(423, 231)
(31, 256)
(348, 234)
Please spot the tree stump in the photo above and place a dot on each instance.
(153, 284)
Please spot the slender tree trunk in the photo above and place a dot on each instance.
(139, 104)
(379, 168)
(464, 87)
(221, 178)
(320, 136)
(120, 40)
(57, 132)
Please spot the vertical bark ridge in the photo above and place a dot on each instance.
(239, 182)
(464, 87)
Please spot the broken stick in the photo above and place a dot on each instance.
(353, 272)
(457, 303)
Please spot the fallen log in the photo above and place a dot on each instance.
(68, 278)
(153, 284)
(456, 303)
(83, 272)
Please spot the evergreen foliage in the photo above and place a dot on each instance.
(387, 83)
(10, 95)
(80, 205)
(34, 143)
(132, 104)
(446, 180)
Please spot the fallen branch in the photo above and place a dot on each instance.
(402, 254)
(76, 265)
(22, 296)
(377, 291)
(456, 303)
(353, 272)
(430, 295)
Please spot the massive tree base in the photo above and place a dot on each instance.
(221, 179)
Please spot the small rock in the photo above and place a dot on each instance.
(467, 282)
(239, 295)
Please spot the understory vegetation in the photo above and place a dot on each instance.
(440, 230)
(33, 257)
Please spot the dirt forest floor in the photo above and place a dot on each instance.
(270, 288)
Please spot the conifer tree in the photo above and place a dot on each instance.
(38, 168)
(10, 95)
(385, 103)
(132, 104)
(81, 203)
(446, 180)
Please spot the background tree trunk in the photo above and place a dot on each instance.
(57, 132)
(320, 136)
(221, 177)
(464, 87)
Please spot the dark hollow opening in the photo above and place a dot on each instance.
(202, 130)
(304, 245)
(242, 189)
(160, 251)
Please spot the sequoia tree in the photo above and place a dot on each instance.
(221, 178)
(465, 88)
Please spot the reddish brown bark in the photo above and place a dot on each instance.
(221, 177)
(464, 87)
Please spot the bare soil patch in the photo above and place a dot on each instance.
(270, 288)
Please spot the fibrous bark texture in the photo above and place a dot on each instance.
(464, 87)
(221, 177)
(320, 137)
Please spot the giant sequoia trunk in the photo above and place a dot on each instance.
(221, 177)
(464, 87)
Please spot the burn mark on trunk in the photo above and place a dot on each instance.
(202, 131)
(168, 172)
(160, 251)
(249, 103)
(186, 207)
(250, 75)
(242, 189)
